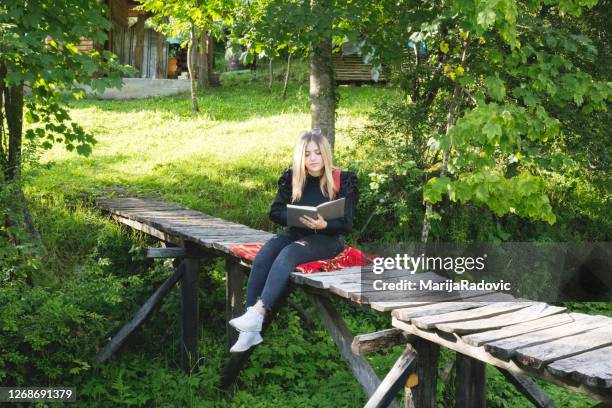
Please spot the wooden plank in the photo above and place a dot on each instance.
(494, 309)
(394, 380)
(454, 342)
(344, 289)
(165, 252)
(141, 316)
(523, 315)
(342, 336)
(592, 367)
(506, 348)
(478, 339)
(324, 282)
(149, 230)
(529, 389)
(541, 354)
(389, 306)
(367, 343)
(470, 382)
(446, 307)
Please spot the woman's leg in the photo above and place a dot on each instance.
(262, 263)
(310, 248)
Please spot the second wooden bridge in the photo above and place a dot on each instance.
(522, 339)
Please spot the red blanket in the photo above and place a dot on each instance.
(348, 257)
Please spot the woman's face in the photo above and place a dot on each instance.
(313, 158)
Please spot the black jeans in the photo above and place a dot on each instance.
(279, 256)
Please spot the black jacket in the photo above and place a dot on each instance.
(348, 189)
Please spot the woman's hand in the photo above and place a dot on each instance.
(312, 223)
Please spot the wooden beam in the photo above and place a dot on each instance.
(233, 296)
(367, 343)
(424, 393)
(149, 230)
(189, 312)
(165, 252)
(470, 382)
(529, 389)
(394, 381)
(343, 338)
(141, 316)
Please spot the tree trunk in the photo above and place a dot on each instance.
(202, 58)
(3, 158)
(160, 72)
(190, 56)
(450, 122)
(13, 103)
(139, 49)
(322, 90)
(287, 76)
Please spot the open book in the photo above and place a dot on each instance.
(329, 210)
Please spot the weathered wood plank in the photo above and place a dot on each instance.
(454, 342)
(393, 381)
(367, 343)
(147, 229)
(537, 356)
(165, 252)
(446, 307)
(494, 309)
(389, 306)
(324, 282)
(592, 367)
(478, 339)
(523, 315)
(506, 348)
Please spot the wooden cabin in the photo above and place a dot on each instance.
(140, 47)
(349, 67)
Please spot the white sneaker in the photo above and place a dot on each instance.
(250, 321)
(246, 339)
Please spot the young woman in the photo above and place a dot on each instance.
(308, 182)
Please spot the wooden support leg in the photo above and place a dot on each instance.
(189, 314)
(529, 389)
(470, 382)
(394, 381)
(424, 393)
(233, 296)
(142, 315)
(343, 338)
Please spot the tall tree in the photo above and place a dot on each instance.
(268, 27)
(190, 20)
(39, 52)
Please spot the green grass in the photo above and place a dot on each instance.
(224, 161)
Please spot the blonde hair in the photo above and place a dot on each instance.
(299, 166)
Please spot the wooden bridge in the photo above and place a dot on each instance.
(521, 338)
